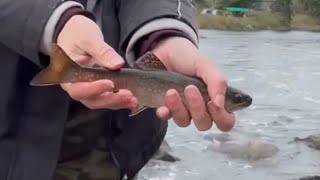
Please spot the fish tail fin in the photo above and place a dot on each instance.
(58, 69)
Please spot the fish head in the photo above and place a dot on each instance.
(236, 100)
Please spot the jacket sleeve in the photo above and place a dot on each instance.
(139, 18)
(23, 23)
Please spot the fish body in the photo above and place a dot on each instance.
(148, 81)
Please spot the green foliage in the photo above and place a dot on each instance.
(284, 15)
(202, 3)
(234, 3)
(259, 22)
(310, 7)
(284, 8)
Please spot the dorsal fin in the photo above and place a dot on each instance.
(149, 61)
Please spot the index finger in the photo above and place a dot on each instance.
(85, 90)
(216, 84)
(222, 118)
(217, 87)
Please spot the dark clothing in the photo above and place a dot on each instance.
(33, 119)
(85, 155)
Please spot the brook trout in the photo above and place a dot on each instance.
(148, 80)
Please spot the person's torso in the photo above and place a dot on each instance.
(33, 120)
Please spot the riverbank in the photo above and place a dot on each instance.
(257, 22)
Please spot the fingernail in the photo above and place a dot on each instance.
(191, 90)
(170, 94)
(110, 84)
(219, 100)
(171, 97)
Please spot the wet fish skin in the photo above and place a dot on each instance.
(149, 86)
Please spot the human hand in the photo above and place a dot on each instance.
(83, 41)
(180, 55)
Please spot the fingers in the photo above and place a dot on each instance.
(88, 41)
(99, 95)
(222, 119)
(197, 108)
(217, 87)
(178, 111)
(85, 90)
(88, 47)
(202, 114)
(177, 51)
(120, 100)
(104, 54)
(163, 113)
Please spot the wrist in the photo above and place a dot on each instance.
(154, 42)
(150, 41)
(166, 49)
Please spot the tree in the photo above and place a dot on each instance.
(312, 7)
(309, 7)
(283, 7)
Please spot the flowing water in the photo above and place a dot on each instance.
(281, 70)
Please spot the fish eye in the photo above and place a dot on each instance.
(237, 98)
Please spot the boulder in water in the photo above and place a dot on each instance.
(313, 141)
(251, 150)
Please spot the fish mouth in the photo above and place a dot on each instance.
(242, 105)
(248, 101)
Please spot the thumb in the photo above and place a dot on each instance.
(104, 54)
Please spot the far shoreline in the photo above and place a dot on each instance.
(260, 22)
(260, 30)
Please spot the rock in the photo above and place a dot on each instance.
(313, 141)
(164, 153)
(251, 150)
(261, 150)
(310, 178)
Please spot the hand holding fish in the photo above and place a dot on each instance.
(87, 47)
(180, 55)
(175, 78)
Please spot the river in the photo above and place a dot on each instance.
(281, 71)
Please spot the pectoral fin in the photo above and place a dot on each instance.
(149, 61)
(137, 111)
